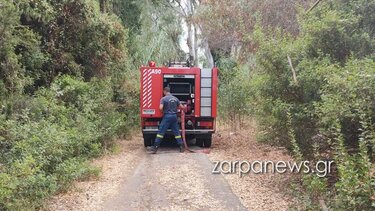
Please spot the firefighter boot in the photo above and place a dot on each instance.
(182, 147)
(152, 149)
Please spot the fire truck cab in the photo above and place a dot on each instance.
(196, 88)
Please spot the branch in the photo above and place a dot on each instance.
(195, 3)
(173, 7)
(313, 6)
(293, 70)
(182, 8)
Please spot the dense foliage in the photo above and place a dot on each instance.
(311, 90)
(69, 87)
(45, 139)
(304, 70)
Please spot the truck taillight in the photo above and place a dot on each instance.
(150, 124)
(151, 64)
(204, 124)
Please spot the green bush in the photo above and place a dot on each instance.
(330, 101)
(45, 143)
(234, 92)
(68, 89)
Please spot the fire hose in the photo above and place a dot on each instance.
(183, 134)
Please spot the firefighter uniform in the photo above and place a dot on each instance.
(170, 106)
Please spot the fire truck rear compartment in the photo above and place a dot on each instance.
(183, 88)
(199, 125)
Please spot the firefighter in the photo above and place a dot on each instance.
(168, 105)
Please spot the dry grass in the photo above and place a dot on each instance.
(256, 191)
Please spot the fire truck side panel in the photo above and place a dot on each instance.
(214, 91)
(197, 93)
(151, 92)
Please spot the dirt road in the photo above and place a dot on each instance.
(169, 180)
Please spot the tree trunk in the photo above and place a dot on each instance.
(103, 6)
(195, 47)
(207, 53)
(192, 31)
(190, 39)
(235, 50)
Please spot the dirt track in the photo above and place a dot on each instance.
(135, 180)
(174, 181)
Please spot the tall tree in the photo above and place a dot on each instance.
(227, 25)
(159, 35)
(187, 10)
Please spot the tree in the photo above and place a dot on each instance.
(228, 25)
(187, 10)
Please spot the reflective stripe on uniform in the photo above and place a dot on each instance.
(177, 136)
(159, 136)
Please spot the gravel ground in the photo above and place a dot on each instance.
(187, 182)
(256, 191)
(90, 195)
(171, 180)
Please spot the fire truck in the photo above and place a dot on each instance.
(195, 87)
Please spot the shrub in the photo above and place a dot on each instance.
(328, 90)
(45, 143)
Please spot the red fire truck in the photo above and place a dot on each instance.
(195, 87)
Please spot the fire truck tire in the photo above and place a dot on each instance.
(199, 142)
(147, 140)
(207, 141)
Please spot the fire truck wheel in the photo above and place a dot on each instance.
(147, 140)
(199, 142)
(207, 141)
